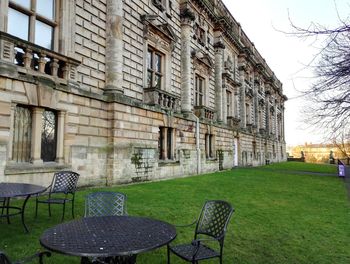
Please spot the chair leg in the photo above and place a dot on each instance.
(73, 207)
(36, 207)
(49, 204)
(64, 209)
(168, 253)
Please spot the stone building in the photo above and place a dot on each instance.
(132, 90)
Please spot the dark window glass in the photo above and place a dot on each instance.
(24, 3)
(48, 136)
(154, 69)
(199, 90)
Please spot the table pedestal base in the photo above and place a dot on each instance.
(110, 260)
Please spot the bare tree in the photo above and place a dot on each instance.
(328, 98)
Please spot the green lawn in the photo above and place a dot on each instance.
(279, 218)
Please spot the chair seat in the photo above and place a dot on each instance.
(186, 251)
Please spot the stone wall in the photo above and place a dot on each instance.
(109, 124)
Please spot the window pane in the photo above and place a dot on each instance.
(149, 79)
(24, 3)
(48, 136)
(46, 8)
(149, 60)
(15, 19)
(22, 134)
(158, 63)
(157, 81)
(43, 34)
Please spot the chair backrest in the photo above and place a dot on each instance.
(105, 203)
(4, 259)
(214, 218)
(64, 182)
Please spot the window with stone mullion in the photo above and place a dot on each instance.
(154, 69)
(37, 19)
(199, 90)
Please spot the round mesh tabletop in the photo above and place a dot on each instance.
(8, 190)
(105, 236)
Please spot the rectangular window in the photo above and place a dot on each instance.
(22, 134)
(247, 114)
(209, 146)
(154, 69)
(48, 135)
(229, 103)
(37, 20)
(199, 91)
(254, 149)
(166, 143)
(23, 130)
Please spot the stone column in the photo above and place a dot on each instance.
(219, 103)
(37, 122)
(60, 137)
(3, 15)
(114, 47)
(268, 125)
(224, 104)
(186, 28)
(164, 148)
(282, 126)
(242, 103)
(276, 121)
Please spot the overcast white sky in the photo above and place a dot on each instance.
(287, 55)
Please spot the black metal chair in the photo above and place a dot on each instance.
(2, 201)
(61, 191)
(105, 203)
(212, 223)
(4, 259)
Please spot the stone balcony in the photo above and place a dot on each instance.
(18, 56)
(165, 100)
(204, 113)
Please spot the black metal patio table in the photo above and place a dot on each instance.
(122, 237)
(11, 190)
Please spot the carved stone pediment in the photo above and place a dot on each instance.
(203, 58)
(161, 33)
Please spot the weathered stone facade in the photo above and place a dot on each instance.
(140, 90)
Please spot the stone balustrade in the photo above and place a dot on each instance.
(204, 112)
(35, 60)
(165, 100)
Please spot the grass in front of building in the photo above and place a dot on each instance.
(279, 218)
(305, 167)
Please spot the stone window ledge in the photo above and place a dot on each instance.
(163, 163)
(28, 168)
(211, 160)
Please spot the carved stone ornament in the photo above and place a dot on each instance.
(201, 60)
(228, 65)
(187, 14)
(261, 102)
(158, 4)
(162, 34)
